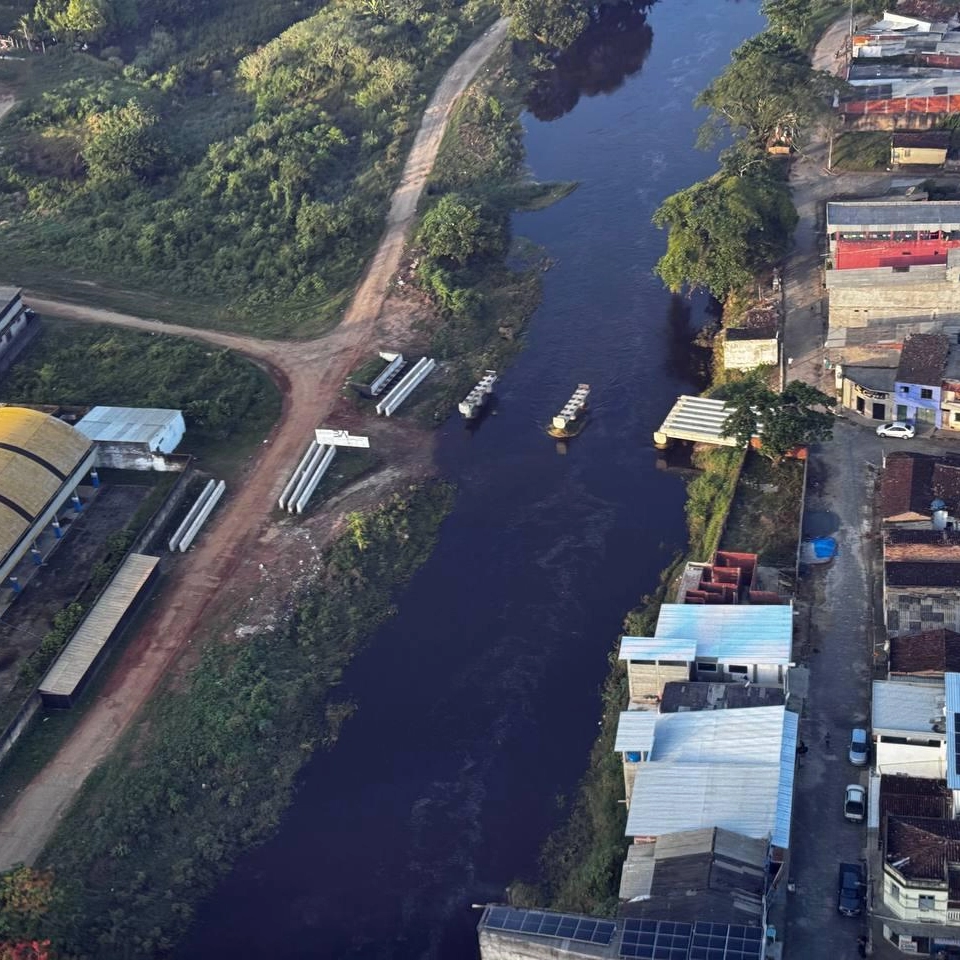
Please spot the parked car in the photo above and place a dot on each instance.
(851, 883)
(855, 803)
(859, 747)
(898, 428)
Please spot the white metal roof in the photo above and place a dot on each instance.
(731, 768)
(699, 419)
(97, 627)
(635, 730)
(668, 797)
(952, 684)
(126, 424)
(902, 707)
(651, 648)
(738, 633)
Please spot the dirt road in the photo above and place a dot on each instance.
(221, 570)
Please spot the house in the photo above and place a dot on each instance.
(909, 728)
(729, 578)
(891, 233)
(681, 697)
(754, 342)
(926, 148)
(130, 438)
(716, 642)
(910, 484)
(919, 378)
(867, 389)
(903, 100)
(18, 325)
(921, 574)
(708, 874)
(731, 769)
(924, 657)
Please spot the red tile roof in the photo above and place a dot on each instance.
(923, 359)
(905, 487)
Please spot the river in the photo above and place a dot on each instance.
(478, 702)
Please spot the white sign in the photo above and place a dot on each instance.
(341, 438)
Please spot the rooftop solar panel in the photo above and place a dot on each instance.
(542, 924)
(670, 940)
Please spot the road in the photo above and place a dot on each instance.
(310, 376)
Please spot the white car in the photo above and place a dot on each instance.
(855, 803)
(859, 747)
(898, 428)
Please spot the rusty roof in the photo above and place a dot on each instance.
(923, 359)
(927, 844)
(946, 483)
(922, 574)
(922, 545)
(933, 652)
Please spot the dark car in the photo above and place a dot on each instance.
(851, 883)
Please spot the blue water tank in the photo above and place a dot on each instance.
(634, 756)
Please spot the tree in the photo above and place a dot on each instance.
(551, 23)
(722, 230)
(124, 143)
(789, 17)
(801, 414)
(457, 229)
(768, 85)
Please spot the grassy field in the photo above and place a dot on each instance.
(229, 404)
(867, 150)
(232, 172)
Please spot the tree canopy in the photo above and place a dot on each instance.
(457, 228)
(801, 414)
(124, 143)
(768, 86)
(723, 230)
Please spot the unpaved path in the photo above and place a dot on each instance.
(209, 580)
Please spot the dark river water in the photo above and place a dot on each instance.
(479, 701)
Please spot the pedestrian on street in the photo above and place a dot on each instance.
(826, 739)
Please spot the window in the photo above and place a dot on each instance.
(956, 416)
(706, 667)
(926, 901)
(733, 668)
(926, 393)
(904, 389)
(894, 892)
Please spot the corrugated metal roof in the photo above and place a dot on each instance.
(952, 686)
(699, 419)
(652, 648)
(77, 657)
(636, 877)
(8, 295)
(126, 424)
(738, 633)
(719, 736)
(904, 707)
(897, 214)
(635, 730)
(668, 797)
(732, 769)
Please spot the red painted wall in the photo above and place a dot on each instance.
(856, 254)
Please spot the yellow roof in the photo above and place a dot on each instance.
(37, 455)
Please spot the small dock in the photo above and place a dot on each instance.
(474, 401)
(699, 419)
(572, 408)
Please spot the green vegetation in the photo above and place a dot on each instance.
(765, 516)
(211, 768)
(723, 230)
(709, 496)
(769, 88)
(265, 208)
(801, 414)
(865, 150)
(227, 402)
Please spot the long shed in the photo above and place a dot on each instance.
(65, 679)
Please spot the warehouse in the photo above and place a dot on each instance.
(65, 679)
(42, 462)
(131, 438)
